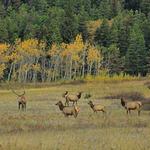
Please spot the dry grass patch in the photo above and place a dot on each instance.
(44, 127)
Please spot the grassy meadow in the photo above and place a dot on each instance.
(44, 127)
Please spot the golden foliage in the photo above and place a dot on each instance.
(93, 54)
(30, 48)
(2, 68)
(3, 51)
(104, 77)
(73, 49)
(36, 67)
(54, 51)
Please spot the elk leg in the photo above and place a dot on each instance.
(67, 103)
(25, 106)
(22, 105)
(139, 111)
(75, 115)
(104, 112)
(19, 105)
(66, 115)
(76, 102)
(127, 111)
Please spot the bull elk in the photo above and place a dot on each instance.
(21, 100)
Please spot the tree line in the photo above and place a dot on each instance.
(44, 40)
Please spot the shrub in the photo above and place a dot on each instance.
(114, 78)
(147, 84)
(127, 95)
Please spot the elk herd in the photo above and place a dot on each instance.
(73, 110)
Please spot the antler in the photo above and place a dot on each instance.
(17, 93)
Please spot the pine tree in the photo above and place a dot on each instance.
(115, 61)
(146, 31)
(145, 6)
(115, 7)
(102, 35)
(114, 33)
(123, 39)
(82, 19)
(136, 54)
(69, 28)
(132, 4)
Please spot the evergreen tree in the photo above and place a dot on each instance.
(114, 33)
(146, 31)
(132, 4)
(53, 25)
(116, 7)
(105, 9)
(3, 32)
(69, 27)
(115, 62)
(145, 6)
(123, 38)
(102, 35)
(82, 19)
(136, 54)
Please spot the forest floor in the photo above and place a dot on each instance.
(44, 127)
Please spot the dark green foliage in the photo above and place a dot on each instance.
(114, 33)
(145, 6)
(69, 27)
(124, 32)
(102, 35)
(115, 62)
(136, 54)
(132, 4)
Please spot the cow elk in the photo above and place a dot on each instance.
(132, 105)
(68, 110)
(97, 107)
(72, 98)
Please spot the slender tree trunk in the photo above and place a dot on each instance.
(10, 72)
(71, 63)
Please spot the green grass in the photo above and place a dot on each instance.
(43, 126)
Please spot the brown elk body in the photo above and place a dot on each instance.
(97, 107)
(72, 98)
(132, 105)
(21, 100)
(68, 110)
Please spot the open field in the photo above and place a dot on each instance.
(44, 127)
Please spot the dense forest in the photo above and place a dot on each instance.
(49, 40)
